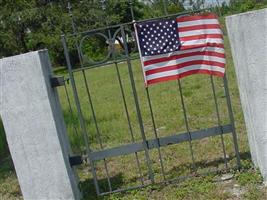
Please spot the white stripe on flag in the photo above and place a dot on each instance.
(197, 22)
(201, 41)
(185, 69)
(201, 49)
(183, 60)
(200, 32)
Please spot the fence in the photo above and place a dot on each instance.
(122, 121)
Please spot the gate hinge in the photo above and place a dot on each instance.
(75, 160)
(57, 81)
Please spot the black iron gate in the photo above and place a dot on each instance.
(121, 53)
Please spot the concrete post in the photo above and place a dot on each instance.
(35, 128)
(248, 38)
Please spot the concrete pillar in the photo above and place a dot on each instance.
(35, 128)
(248, 38)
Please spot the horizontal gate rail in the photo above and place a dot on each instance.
(175, 180)
(163, 141)
(106, 64)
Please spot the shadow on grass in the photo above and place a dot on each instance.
(88, 188)
(207, 164)
(3, 143)
(73, 127)
(6, 167)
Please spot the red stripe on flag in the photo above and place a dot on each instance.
(174, 77)
(198, 27)
(174, 57)
(185, 64)
(196, 17)
(203, 36)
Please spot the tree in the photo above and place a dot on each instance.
(27, 25)
(161, 7)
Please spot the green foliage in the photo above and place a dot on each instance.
(156, 8)
(249, 177)
(237, 6)
(195, 188)
(28, 25)
(253, 193)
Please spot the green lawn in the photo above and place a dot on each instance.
(166, 103)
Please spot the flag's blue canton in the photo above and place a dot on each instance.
(158, 37)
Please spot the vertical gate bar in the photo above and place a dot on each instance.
(139, 116)
(71, 17)
(129, 121)
(232, 121)
(125, 106)
(165, 7)
(69, 104)
(219, 120)
(71, 113)
(186, 125)
(131, 8)
(156, 134)
(87, 90)
(83, 72)
(96, 127)
(80, 114)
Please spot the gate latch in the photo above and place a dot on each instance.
(75, 160)
(57, 81)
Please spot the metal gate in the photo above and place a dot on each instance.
(143, 143)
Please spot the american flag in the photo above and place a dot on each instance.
(174, 48)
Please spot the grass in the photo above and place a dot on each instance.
(113, 126)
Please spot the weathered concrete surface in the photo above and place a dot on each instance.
(248, 38)
(35, 128)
